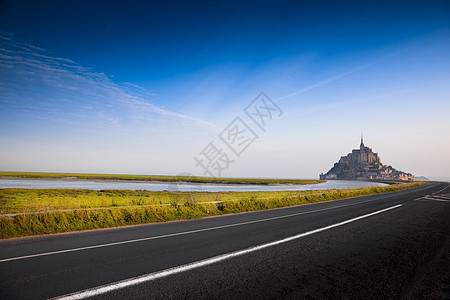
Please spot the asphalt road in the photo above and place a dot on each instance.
(394, 245)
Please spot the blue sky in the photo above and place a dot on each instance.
(144, 86)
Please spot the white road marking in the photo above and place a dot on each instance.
(419, 199)
(183, 268)
(442, 189)
(198, 230)
(435, 199)
(442, 196)
(174, 234)
(427, 197)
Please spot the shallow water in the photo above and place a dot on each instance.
(150, 186)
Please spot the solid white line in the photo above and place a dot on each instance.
(174, 234)
(183, 268)
(199, 230)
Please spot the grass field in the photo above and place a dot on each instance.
(38, 211)
(158, 178)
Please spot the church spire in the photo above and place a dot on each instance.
(362, 143)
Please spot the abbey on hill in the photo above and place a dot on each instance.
(364, 164)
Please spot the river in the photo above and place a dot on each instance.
(152, 186)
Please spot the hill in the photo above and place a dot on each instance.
(364, 164)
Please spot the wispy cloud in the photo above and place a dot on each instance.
(323, 82)
(338, 76)
(35, 83)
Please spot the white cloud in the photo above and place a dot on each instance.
(62, 87)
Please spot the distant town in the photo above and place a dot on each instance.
(364, 164)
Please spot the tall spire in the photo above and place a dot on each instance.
(362, 143)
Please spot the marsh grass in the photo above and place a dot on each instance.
(87, 209)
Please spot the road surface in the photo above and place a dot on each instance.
(392, 245)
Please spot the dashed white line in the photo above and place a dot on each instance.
(183, 268)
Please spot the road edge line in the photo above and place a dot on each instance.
(201, 263)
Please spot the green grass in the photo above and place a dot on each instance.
(87, 209)
(158, 178)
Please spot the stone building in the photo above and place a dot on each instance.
(364, 164)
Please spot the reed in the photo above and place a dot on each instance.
(58, 210)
